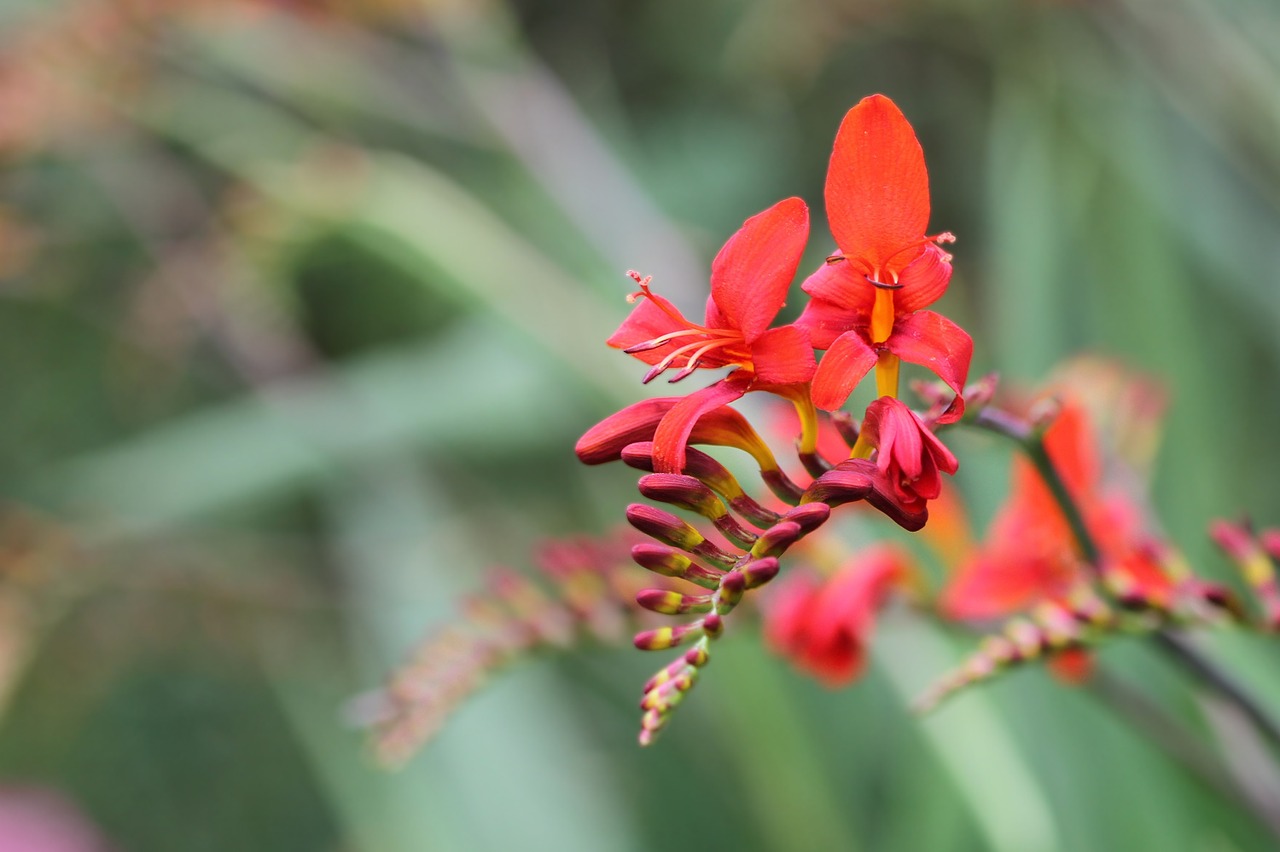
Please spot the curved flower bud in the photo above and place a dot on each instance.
(908, 454)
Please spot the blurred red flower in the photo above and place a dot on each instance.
(824, 627)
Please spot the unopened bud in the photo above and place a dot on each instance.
(759, 571)
(775, 540)
(732, 588)
(684, 492)
(695, 657)
(669, 529)
(689, 493)
(669, 562)
(1236, 540)
(670, 602)
(711, 473)
(1239, 543)
(661, 638)
(808, 516)
(670, 692)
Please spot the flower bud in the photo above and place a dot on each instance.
(668, 693)
(775, 540)
(808, 516)
(669, 529)
(758, 572)
(669, 562)
(696, 657)
(712, 474)
(670, 602)
(688, 493)
(661, 638)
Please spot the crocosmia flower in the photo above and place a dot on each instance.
(868, 299)
(749, 281)
(824, 627)
(907, 453)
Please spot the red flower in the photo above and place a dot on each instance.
(824, 628)
(867, 299)
(908, 454)
(1030, 553)
(749, 281)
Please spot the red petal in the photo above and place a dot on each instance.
(844, 365)
(923, 281)
(672, 436)
(639, 421)
(894, 431)
(842, 283)
(751, 274)
(825, 321)
(646, 322)
(783, 356)
(934, 341)
(877, 189)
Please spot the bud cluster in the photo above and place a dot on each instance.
(587, 592)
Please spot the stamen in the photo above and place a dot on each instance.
(658, 341)
(696, 357)
(667, 361)
(944, 237)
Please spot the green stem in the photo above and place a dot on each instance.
(1031, 439)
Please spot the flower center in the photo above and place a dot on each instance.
(693, 343)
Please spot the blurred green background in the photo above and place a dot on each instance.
(302, 307)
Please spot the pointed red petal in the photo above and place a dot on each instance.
(842, 283)
(672, 436)
(877, 189)
(751, 274)
(934, 341)
(783, 356)
(646, 322)
(844, 365)
(923, 281)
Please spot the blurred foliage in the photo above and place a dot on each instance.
(302, 306)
